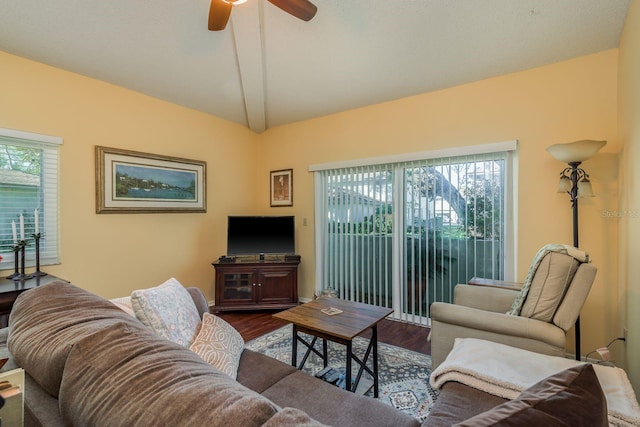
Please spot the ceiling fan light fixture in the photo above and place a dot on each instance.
(220, 10)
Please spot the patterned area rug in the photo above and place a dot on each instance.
(403, 374)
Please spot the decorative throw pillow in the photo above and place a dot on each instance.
(219, 344)
(168, 310)
(572, 397)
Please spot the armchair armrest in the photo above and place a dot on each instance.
(479, 281)
(492, 299)
(498, 324)
(451, 321)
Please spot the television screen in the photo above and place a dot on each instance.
(248, 235)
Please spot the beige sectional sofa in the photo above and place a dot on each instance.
(88, 363)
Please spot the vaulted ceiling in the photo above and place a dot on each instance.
(268, 68)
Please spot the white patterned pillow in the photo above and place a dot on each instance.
(168, 310)
(219, 344)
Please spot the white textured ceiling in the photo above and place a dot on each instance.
(268, 68)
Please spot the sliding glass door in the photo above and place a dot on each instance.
(403, 234)
(454, 218)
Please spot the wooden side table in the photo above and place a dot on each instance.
(341, 328)
(10, 289)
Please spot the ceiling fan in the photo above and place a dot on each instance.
(220, 10)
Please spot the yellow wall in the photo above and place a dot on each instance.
(114, 254)
(629, 130)
(559, 103)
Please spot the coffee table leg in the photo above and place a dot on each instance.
(374, 339)
(325, 357)
(294, 347)
(347, 374)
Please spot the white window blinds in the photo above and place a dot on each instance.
(358, 223)
(28, 188)
(403, 234)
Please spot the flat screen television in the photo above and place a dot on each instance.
(249, 235)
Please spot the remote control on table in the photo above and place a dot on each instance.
(324, 372)
(332, 377)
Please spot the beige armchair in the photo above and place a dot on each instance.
(558, 289)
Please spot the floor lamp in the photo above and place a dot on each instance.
(575, 182)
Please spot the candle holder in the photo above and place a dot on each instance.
(16, 273)
(37, 273)
(22, 276)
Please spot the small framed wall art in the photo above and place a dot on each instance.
(282, 187)
(132, 182)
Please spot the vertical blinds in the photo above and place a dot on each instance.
(402, 235)
(356, 246)
(28, 182)
(454, 213)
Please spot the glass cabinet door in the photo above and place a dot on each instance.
(238, 286)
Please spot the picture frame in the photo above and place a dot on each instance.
(281, 188)
(134, 182)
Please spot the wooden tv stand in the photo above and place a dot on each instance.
(247, 283)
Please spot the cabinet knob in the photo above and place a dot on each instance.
(254, 285)
(259, 284)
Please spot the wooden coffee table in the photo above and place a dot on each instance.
(341, 328)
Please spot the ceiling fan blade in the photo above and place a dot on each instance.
(219, 13)
(302, 9)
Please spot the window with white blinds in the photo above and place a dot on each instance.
(403, 233)
(28, 190)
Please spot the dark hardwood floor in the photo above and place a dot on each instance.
(252, 324)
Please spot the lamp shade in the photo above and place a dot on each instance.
(577, 151)
(584, 188)
(565, 185)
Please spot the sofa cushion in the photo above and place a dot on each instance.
(259, 372)
(127, 376)
(46, 321)
(456, 402)
(199, 300)
(40, 408)
(553, 276)
(292, 417)
(572, 397)
(219, 344)
(546, 270)
(331, 405)
(168, 310)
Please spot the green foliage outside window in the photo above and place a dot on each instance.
(21, 159)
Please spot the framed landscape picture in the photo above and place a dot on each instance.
(282, 187)
(133, 182)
